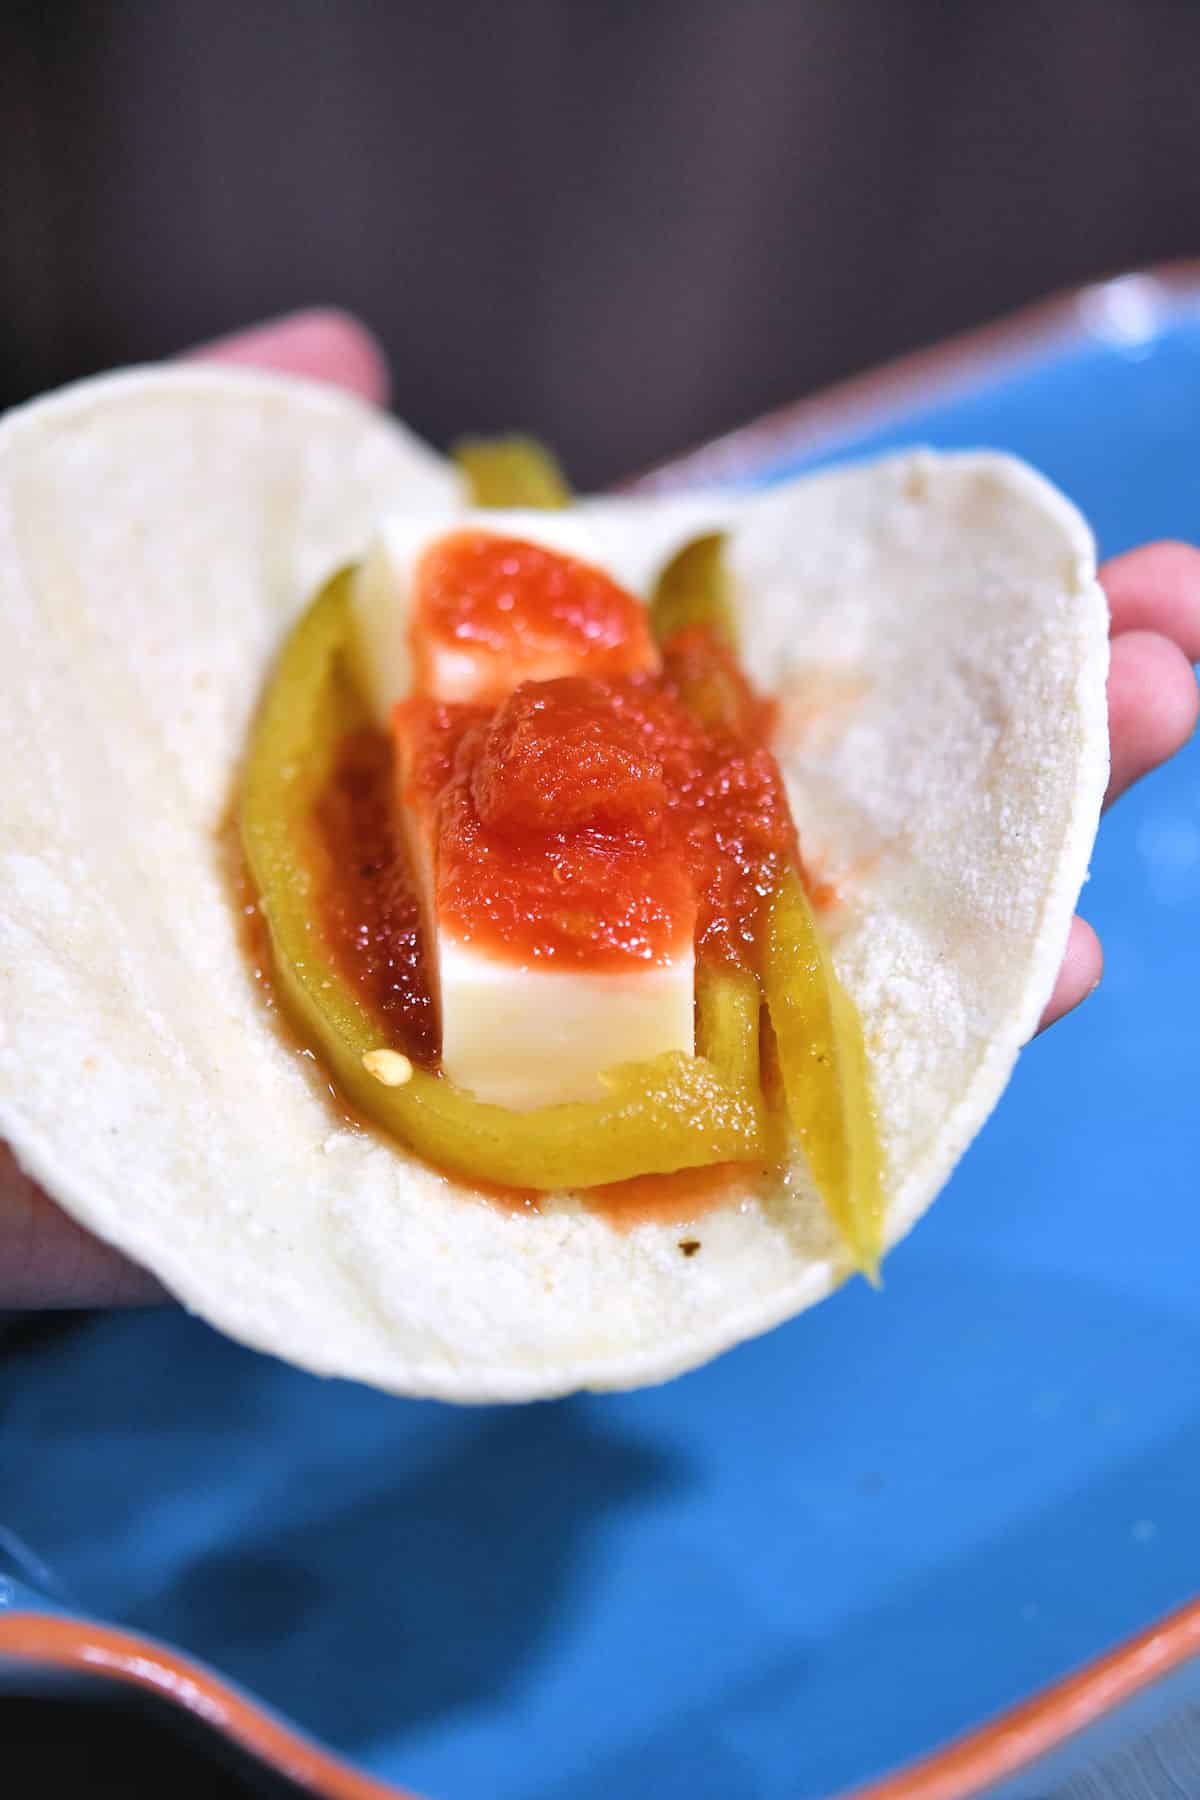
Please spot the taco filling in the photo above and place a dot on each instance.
(532, 877)
(933, 641)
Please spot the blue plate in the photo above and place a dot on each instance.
(836, 1546)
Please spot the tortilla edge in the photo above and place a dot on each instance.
(39, 1160)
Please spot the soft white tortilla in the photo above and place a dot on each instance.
(158, 531)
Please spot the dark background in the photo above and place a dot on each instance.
(623, 226)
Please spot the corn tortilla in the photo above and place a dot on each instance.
(936, 635)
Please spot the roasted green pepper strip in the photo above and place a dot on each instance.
(823, 1068)
(728, 1009)
(818, 1044)
(693, 590)
(692, 617)
(675, 1112)
(511, 471)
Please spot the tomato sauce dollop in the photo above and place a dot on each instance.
(549, 818)
(599, 824)
(499, 605)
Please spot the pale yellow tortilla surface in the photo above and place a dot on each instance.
(938, 641)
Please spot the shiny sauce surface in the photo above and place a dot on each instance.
(549, 825)
(501, 605)
(601, 824)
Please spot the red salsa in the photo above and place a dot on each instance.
(595, 823)
(370, 914)
(550, 825)
(494, 605)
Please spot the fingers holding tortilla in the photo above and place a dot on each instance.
(1152, 702)
(322, 343)
(47, 1260)
(1157, 588)
(937, 644)
(1154, 597)
(1079, 976)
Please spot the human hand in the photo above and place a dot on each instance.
(47, 1260)
(1154, 602)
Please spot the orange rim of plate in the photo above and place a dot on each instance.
(77, 1647)
(960, 1769)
